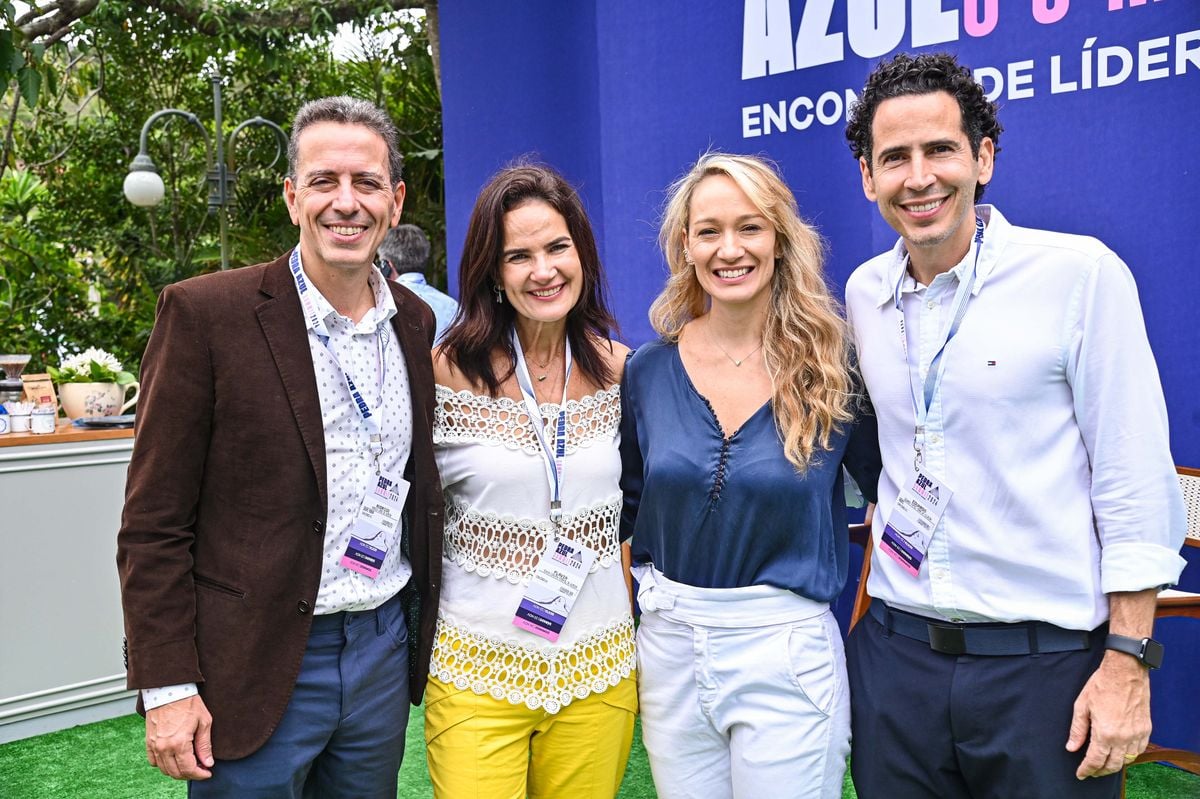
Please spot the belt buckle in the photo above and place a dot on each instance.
(947, 640)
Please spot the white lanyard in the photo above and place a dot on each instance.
(553, 459)
(923, 398)
(317, 325)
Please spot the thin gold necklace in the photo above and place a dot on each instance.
(544, 367)
(735, 361)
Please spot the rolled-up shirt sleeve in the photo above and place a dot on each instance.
(1136, 500)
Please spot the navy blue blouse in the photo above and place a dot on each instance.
(717, 512)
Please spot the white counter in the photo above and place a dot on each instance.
(60, 605)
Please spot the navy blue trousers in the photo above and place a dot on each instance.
(342, 734)
(933, 726)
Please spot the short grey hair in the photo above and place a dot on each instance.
(348, 111)
(406, 248)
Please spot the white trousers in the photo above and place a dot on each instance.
(743, 692)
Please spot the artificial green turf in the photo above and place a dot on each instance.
(108, 761)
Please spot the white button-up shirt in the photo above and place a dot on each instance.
(370, 352)
(1049, 426)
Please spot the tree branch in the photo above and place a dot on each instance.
(48, 23)
(8, 134)
(433, 31)
(53, 19)
(91, 95)
(294, 16)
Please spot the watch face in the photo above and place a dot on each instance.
(1152, 653)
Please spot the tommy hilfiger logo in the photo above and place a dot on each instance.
(991, 363)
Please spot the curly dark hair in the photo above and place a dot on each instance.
(924, 74)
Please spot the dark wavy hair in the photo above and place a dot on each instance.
(924, 74)
(482, 325)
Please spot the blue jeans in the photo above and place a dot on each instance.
(342, 734)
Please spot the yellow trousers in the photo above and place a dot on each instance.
(484, 748)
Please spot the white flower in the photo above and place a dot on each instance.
(82, 362)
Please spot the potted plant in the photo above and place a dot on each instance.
(92, 384)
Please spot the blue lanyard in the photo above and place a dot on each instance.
(922, 399)
(317, 324)
(553, 458)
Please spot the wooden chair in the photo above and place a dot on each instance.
(1179, 603)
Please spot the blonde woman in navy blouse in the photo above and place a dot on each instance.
(735, 427)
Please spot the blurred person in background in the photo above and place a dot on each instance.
(404, 257)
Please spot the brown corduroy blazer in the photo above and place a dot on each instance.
(220, 546)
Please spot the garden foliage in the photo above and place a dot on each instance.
(79, 265)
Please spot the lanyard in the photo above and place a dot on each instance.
(922, 399)
(317, 324)
(553, 458)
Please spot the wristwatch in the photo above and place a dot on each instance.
(1148, 651)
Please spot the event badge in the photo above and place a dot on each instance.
(379, 518)
(918, 510)
(552, 591)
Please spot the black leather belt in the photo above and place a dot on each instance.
(1018, 638)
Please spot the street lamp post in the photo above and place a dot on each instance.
(144, 187)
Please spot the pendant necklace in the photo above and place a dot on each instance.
(544, 367)
(737, 362)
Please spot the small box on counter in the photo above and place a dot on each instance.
(39, 389)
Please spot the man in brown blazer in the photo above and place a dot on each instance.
(283, 515)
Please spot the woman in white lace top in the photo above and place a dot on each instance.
(531, 689)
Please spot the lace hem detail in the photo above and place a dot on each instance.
(548, 677)
(462, 417)
(505, 547)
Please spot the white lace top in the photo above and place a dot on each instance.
(497, 526)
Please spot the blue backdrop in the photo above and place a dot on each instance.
(1100, 100)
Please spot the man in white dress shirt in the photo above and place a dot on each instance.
(1028, 509)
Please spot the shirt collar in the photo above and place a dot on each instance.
(385, 303)
(412, 278)
(994, 238)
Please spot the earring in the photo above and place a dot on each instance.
(499, 293)
(687, 256)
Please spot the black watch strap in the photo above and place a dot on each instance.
(1148, 651)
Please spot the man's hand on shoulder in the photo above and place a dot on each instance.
(179, 739)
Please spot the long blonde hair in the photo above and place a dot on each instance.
(804, 336)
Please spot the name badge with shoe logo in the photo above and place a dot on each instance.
(555, 586)
(378, 521)
(910, 527)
